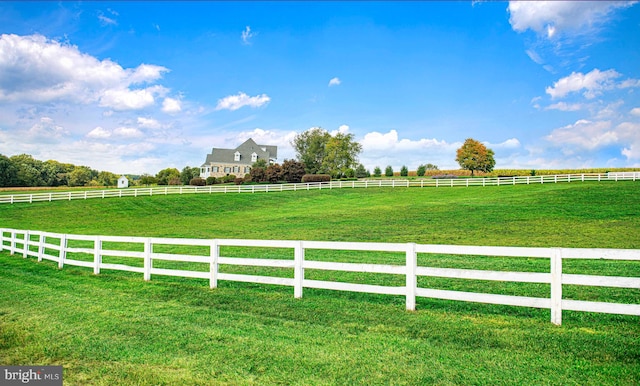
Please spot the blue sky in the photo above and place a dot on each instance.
(135, 87)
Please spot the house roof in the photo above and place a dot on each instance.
(246, 149)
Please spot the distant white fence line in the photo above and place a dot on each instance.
(393, 183)
(41, 245)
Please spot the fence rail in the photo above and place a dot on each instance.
(56, 247)
(393, 183)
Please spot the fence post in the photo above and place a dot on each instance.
(12, 245)
(41, 241)
(97, 255)
(1, 239)
(62, 255)
(411, 282)
(214, 252)
(147, 259)
(298, 270)
(27, 239)
(556, 286)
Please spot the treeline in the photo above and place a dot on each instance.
(25, 171)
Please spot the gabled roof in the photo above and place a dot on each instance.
(246, 149)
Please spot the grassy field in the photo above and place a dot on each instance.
(117, 329)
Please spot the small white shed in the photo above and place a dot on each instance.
(123, 182)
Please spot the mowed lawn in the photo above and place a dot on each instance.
(115, 328)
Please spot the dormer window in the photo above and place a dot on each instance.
(254, 157)
(236, 156)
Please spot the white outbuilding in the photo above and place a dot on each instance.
(123, 182)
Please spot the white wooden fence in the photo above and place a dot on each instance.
(393, 183)
(55, 247)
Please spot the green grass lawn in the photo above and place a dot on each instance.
(115, 328)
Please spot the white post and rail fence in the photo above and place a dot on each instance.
(142, 253)
(272, 188)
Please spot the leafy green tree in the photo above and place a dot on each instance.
(261, 163)
(292, 171)
(377, 172)
(107, 179)
(310, 147)
(80, 176)
(55, 173)
(421, 170)
(8, 172)
(404, 171)
(473, 155)
(361, 172)
(321, 152)
(388, 171)
(29, 170)
(341, 154)
(147, 179)
(165, 175)
(188, 173)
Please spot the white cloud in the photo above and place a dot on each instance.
(629, 83)
(551, 18)
(47, 129)
(171, 105)
(247, 35)
(630, 132)
(127, 132)
(382, 149)
(610, 110)
(635, 111)
(149, 123)
(125, 99)
(343, 129)
(106, 21)
(533, 55)
(234, 102)
(563, 106)
(593, 83)
(511, 143)
(585, 134)
(119, 132)
(34, 69)
(145, 73)
(99, 133)
(334, 82)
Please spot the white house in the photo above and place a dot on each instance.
(238, 161)
(123, 182)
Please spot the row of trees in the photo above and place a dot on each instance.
(24, 170)
(404, 171)
(171, 176)
(337, 155)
